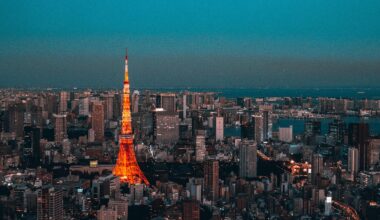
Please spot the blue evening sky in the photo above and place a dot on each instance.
(171, 43)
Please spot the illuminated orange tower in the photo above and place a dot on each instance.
(126, 166)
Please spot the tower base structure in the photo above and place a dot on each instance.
(127, 167)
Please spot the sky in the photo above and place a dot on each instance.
(190, 43)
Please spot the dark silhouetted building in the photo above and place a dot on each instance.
(211, 178)
(312, 129)
(358, 135)
(191, 210)
(97, 121)
(337, 130)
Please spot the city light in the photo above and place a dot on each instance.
(126, 166)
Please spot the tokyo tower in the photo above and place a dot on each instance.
(126, 166)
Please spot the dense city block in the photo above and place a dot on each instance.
(205, 156)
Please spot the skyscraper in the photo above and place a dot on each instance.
(248, 130)
(84, 106)
(219, 128)
(248, 159)
(312, 129)
(286, 134)
(358, 134)
(166, 101)
(97, 121)
(126, 166)
(108, 106)
(165, 127)
(184, 105)
(32, 143)
(52, 104)
(135, 101)
(106, 213)
(16, 119)
(60, 128)
(337, 130)
(373, 152)
(353, 161)
(211, 179)
(328, 204)
(121, 208)
(49, 203)
(191, 210)
(200, 146)
(258, 121)
(267, 125)
(316, 168)
(63, 99)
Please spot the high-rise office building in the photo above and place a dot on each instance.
(286, 134)
(258, 121)
(316, 168)
(267, 125)
(191, 210)
(106, 213)
(194, 186)
(373, 153)
(196, 122)
(117, 106)
(36, 116)
(248, 159)
(200, 146)
(312, 129)
(108, 106)
(247, 130)
(31, 202)
(135, 101)
(97, 121)
(337, 130)
(121, 208)
(50, 203)
(328, 204)
(167, 101)
(137, 193)
(211, 179)
(84, 106)
(52, 105)
(16, 119)
(19, 197)
(32, 143)
(63, 100)
(60, 127)
(353, 161)
(358, 135)
(219, 128)
(36, 137)
(244, 102)
(165, 127)
(184, 106)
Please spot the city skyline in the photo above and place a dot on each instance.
(191, 44)
(226, 110)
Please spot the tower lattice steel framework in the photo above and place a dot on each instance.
(126, 166)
